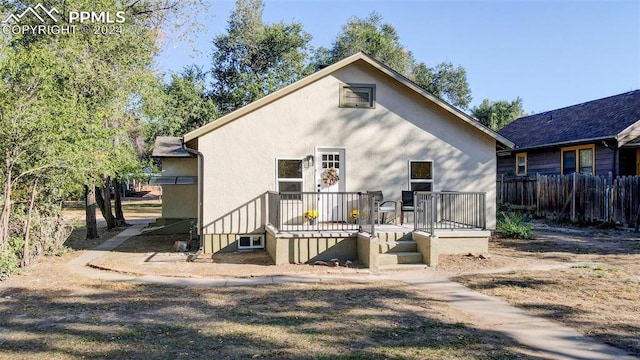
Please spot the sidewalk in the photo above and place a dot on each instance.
(550, 338)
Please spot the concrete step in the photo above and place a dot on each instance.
(402, 267)
(398, 246)
(399, 258)
(393, 236)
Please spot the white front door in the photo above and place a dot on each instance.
(330, 178)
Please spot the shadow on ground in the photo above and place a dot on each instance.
(292, 321)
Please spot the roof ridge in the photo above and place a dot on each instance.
(581, 104)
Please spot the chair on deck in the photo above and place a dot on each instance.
(406, 205)
(383, 207)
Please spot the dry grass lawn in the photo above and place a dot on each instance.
(588, 280)
(597, 291)
(49, 313)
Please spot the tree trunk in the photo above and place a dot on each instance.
(6, 211)
(26, 253)
(90, 208)
(120, 220)
(104, 202)
(108, 212)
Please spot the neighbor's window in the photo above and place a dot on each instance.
(521, 164)
(578, 159)
(358, 96)
(250, 242)
(421, 175)
(289, 174)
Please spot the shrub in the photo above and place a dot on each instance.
(8, 265)
(511, 224)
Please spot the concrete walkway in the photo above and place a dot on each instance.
(547, 337)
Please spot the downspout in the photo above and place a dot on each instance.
(200, 157)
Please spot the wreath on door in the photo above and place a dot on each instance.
(330, 176)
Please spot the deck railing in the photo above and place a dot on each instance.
(321, 211)
(449, 210)
(355, 211)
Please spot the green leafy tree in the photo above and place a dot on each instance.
(498, 114)
(254, 59)
(370, 35)
(445, 81)
(65, 113)
(381, 40)
(182, 105)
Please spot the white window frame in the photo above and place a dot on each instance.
(252, 237)
(369, 88)
(423, 181)
(300, 180)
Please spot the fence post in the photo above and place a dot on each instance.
(573, 198)
(537, 194)
(360, 212)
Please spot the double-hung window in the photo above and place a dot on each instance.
(521, 164)
(420, 175)
(289, 174)
(578, 159)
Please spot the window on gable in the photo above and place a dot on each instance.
(358, 96)
(521, 164)
(578, 159)
(421, 175)
(289, 175)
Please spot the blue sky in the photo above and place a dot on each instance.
(550, 53)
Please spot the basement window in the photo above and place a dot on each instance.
(247, 242)
(357, 96)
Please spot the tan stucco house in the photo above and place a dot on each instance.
(288, 172)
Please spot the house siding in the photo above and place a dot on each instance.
(179, 201)
(547, 161)
(628, 161)
(240, 156)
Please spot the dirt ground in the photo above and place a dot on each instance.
(154, 254)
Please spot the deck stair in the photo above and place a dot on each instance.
(398, 251)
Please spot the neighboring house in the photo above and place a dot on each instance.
(373, 128)
(179, 178)
(596, 137)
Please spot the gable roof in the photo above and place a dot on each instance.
(360, 56)
(169, 147)
(593, 120)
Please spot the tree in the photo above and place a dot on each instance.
(498, 114)
(182, 105)
(445, 81)
(381, 40)
(254, 59)
(375, 38)
(65, 115)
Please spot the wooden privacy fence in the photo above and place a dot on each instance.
(576, 197)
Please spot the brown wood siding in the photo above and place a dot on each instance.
(628, 162)
(605, 160)
(547, 161)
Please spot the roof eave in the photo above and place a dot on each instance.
(332, 68)
(572, 142)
